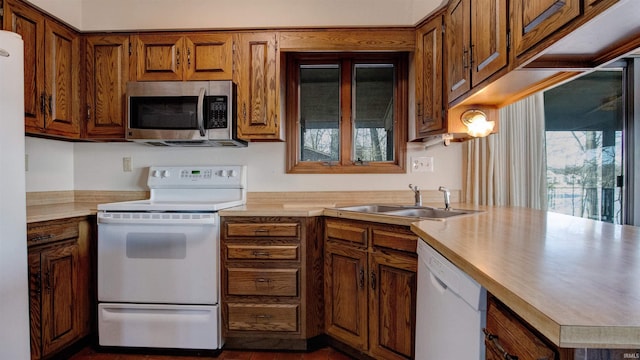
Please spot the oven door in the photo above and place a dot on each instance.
(167, 258)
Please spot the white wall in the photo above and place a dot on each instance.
(99, 167)
(49, 165)
(101, 15)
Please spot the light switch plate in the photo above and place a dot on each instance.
(422, 164)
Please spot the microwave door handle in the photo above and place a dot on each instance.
(201, 112)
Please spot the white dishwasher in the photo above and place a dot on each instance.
(451, 310)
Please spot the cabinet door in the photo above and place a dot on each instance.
(392, 302)
(62, 80)
(533, 21)
(488, 38)
(429, 80)
(159, 57)
(458, 52)
(346, 313)
(208, 57)
(59, 295)
(30, 25)
(257, 75)
(35, 292)
(107, 74)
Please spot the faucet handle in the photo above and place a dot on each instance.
(414, 187)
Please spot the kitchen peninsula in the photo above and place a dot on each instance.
(572, 279)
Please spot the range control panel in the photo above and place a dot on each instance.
(196, 176)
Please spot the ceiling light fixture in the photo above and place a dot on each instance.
(476, 122)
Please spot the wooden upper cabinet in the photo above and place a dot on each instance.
(162, 57)
(533, 21)
(51, 63)
(488, 38)
(107, 65)
(476, 43)
(62, 80)
(257, 73)
(30, 25)
(458, 31)
(209, 57)
(429, 79)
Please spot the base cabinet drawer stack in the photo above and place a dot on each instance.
(271, 282)
(59, 284)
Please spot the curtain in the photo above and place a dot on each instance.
(509, 168)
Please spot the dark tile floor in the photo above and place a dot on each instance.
(321, 354)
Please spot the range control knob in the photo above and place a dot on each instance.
(233, 173)
(165, 174)
(222, 173)
(155, 173)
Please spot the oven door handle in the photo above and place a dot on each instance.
(201, 110)
(156, 219)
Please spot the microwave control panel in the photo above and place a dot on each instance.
(217, 111)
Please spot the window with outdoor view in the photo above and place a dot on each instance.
(346, 113)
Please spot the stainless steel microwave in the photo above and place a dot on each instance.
(182, 113)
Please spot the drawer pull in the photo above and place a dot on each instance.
(494, 340)
(263, 317)
(261, 231)
(42, 237)
(261, 254)
(262, 280)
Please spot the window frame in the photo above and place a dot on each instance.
(346, 165)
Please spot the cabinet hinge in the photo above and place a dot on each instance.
(130, 49)
(508, 40)
(443, 27)
(1, 12)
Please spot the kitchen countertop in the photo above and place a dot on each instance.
(36, 213)
(575, 280)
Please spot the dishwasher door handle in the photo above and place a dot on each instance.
(437, 283)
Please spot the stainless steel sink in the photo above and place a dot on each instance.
(408, 211)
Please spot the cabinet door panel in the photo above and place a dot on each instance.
(35, 291)
(458, 57)
(62, 81)
(107, 63)
(258, 87)
(59, 313)
(533, 21)
(209, 57)
(393, 304)
(489, 38)
(345, 295)
(30, 25)
(429, 80)
(159, 57)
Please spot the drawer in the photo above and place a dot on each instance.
(269, 282)
(337, 230)
(505, 332)
(46, 232)
(263, 229)
(257, 252)
(394, 239)
(263, 317)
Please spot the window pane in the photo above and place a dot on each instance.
(373, 112)
(320, 112)
(583, 120)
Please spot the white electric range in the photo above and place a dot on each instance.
(158, 259)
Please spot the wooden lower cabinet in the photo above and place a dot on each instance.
(271, 282)
(370, 287)
(60, 284)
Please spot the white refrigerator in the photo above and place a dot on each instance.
(14, 291)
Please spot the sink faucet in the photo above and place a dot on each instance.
(416, 192)
(447, 197)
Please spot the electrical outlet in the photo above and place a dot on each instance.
(422, 164)
(126, 164)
